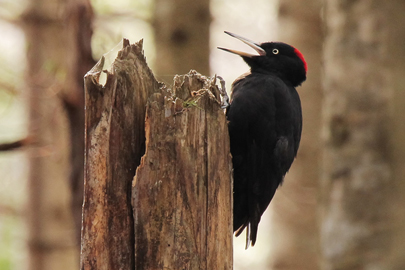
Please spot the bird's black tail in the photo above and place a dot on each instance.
(251, 225)
(253, 190)
(253, 214)
(254, 224)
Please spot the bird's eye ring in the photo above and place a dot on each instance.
(275, 51)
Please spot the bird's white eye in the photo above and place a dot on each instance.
(275, 51)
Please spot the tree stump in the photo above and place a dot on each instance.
(182, 192)
(177, 212)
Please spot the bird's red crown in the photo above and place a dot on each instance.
(301, 56)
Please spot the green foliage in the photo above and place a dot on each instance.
(193, 102)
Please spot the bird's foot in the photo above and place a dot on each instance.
(224, 95)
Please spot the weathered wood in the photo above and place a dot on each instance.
(182, 194)
(115, 138)
(182, 189)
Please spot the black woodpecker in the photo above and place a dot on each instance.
(265, 124)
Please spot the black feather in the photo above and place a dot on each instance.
(265, 123)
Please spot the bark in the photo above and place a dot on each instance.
(294, 227)
(50, 226)
(181, 193)
(182, 189)
(362, 184)
(115, 142)
(181, 37)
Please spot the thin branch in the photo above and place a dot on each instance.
(15, 145)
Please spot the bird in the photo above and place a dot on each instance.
(265, 124)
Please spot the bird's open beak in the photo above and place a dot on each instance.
(252, 44)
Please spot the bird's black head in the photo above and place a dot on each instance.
(276, 58)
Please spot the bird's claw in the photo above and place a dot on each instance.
(224, 95)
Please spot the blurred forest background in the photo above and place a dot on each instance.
(341, 205)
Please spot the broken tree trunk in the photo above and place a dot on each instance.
(181, 194)
(182, 191)
(115, 138)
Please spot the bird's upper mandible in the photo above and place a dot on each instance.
(277, 58)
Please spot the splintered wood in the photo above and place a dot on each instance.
(181, 195)
(115, 137)
(182, 189)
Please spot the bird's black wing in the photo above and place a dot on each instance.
(261, 128)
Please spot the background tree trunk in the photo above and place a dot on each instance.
(294, 231)
(78, 19)
(50, 225)
(59, 54)
(362, 184)
(181, 37)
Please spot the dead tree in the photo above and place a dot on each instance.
(176, 212)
